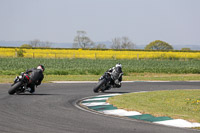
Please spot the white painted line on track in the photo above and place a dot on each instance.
(108, 95)
(76, 82)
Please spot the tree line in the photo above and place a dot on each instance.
(81, 40)
(37, 43)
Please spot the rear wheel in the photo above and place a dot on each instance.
(13, 89)
(98, 86)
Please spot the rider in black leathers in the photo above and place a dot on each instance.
(115, 72)
(36, 77)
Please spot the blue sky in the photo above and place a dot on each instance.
(143, 21)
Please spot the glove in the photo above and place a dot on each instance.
(117, 82)
(101, 78)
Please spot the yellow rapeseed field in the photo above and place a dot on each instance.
(96, 54)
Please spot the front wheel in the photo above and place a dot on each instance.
(99, 84)
(13, 88)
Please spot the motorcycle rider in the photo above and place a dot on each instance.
(36, 77)
(115, 72)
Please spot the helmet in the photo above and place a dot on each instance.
(118, 65)
(116, 71)
(41, 67)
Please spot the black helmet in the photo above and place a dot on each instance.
(41, 67)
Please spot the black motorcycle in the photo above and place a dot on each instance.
(20, 84)
(108, 80)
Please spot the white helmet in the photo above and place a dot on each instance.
(41, 67)
(118, 65)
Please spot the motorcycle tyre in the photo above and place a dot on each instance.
(99, 84)
(13, 89)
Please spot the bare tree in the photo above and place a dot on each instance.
(82, 41)
(116, 43)
(127, 44)
(46, 44)
(35, 43)
(38, 43)
(100, 46)
(122, 43)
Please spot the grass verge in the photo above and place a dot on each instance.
(130, 77)
(184, 104)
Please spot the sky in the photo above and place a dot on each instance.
(142, 21)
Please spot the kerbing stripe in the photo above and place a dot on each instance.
(150, 118)
(102, 107)
(95, 104)
(93, 101)
(178, 123)
(99, 104)
(120, 112)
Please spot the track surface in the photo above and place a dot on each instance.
(51, 110)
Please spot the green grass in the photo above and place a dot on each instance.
(49, 78)
(184, 104)
(161, 77)
(13, 66)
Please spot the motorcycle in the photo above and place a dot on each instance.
(107, 81)
(20, 84)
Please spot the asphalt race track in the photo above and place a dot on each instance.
(52, 110)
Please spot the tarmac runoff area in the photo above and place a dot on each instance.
(98, 103)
